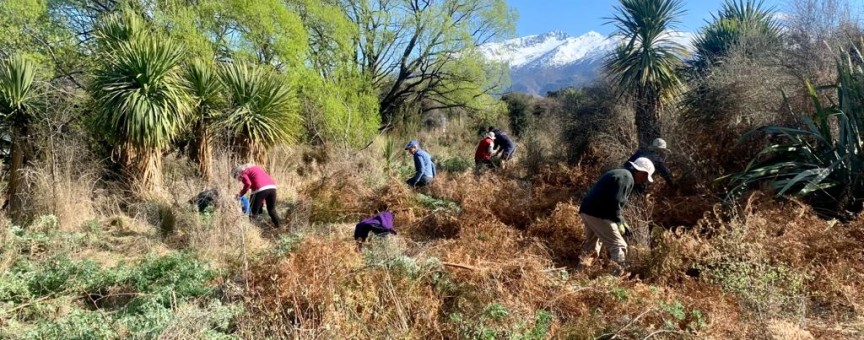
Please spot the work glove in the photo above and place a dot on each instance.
(624, 229)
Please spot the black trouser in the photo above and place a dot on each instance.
(361, 231)
(508, 153)
(258, 200)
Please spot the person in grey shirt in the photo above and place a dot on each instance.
(656, 153)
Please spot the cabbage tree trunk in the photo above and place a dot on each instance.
(202, 153)
(15, 192)
(144, 167)
(648, 124)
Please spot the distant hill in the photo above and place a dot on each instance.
(554, 60)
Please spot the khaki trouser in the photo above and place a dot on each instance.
(598, 230)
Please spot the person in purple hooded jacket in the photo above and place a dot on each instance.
(381, 225)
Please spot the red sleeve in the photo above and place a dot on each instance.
(246, 183)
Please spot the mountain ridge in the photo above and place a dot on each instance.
(550, 61)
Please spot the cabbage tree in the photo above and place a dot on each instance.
(205, 89)
(737, 21)
(17, 101)
(141, 104)
(263, 109)
(645, 64)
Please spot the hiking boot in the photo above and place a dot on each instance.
(619, 270)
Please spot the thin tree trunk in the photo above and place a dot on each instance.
(257, 153)
(202, 154)
(648, 125)
(14, 192)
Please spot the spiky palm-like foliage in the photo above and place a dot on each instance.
(17, 100)
(262, 109)
(824, 158)
(645, 64)
(119, 27)
(205, 89)
(737, 20)
(141, 103)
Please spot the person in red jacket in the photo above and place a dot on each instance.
(263, 190)
(483, 155)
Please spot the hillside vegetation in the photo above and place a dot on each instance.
(117, 114)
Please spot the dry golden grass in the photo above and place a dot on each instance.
(504, 261)
(64, 186)
(514, 244)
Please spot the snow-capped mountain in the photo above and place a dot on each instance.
(551, 61)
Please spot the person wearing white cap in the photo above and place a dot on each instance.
(483, 155)
(656, 153)
(602, 206)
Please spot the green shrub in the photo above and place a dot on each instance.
(169, 278)
(288, 243)
(405, 171)
(61, 274)
(27, 280)
(692, 320)
(41, 239)
(497, 322)
(13, 288)
(78, 324)
(456, 164)
(542, 322)
(433, 203)
(146, 298)
(187, 320)
(390, 151)
(762, 286)
(496, 312)
(520, 108)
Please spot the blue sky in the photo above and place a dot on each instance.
(580, 16)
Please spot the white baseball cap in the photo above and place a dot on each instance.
(644, 165)
(659, 143)
(490, 135)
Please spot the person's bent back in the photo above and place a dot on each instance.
(381, 225)
(602, 208)
(656, 153)
(263, 189)
(424, 168)
(504, 146)
(483, 154)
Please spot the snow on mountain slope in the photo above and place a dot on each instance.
(520, 51)
(550, 61)
(591, 45)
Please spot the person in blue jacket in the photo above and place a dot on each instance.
(423, 165)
